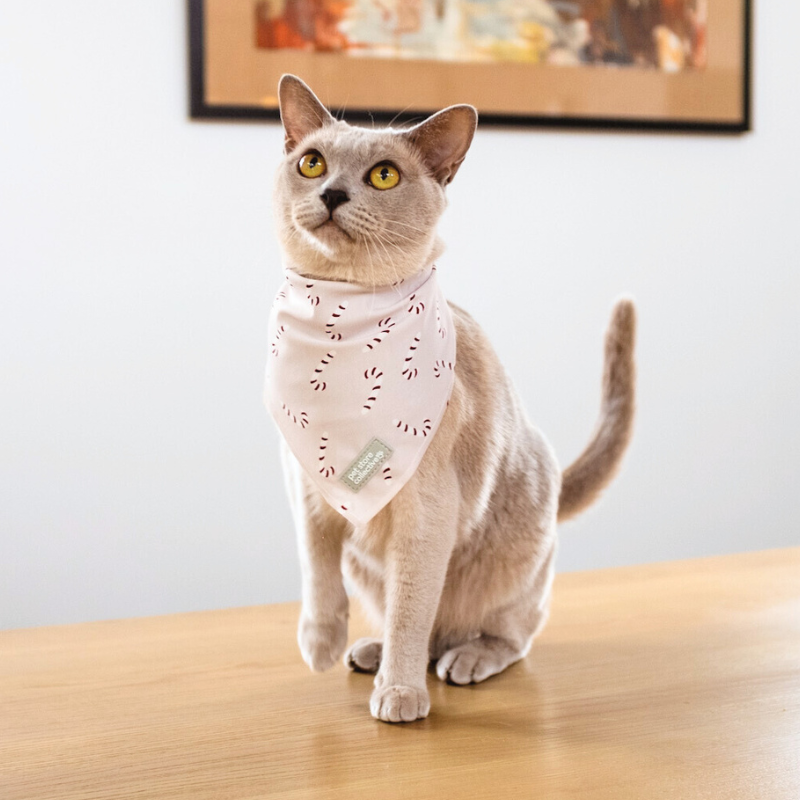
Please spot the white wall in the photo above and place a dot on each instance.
(138, 471)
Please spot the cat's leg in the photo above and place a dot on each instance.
(506, 634)
(367, 579)
(423, 520)
(322, 631)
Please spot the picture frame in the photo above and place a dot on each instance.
(238, 49)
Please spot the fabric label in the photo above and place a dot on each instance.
(366, 464)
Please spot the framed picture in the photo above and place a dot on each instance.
(638, 64)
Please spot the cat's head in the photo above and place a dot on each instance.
(358, 204)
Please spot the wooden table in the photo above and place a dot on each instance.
(677, 680)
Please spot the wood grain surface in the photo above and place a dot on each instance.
(677, 680)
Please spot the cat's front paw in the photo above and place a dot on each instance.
(400, 703)
(321, 643)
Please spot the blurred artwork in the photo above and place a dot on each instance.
(668, 35)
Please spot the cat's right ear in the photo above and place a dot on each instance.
(301, 111)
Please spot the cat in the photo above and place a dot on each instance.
(457, 568)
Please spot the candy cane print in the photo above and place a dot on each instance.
(278, 333)
(316, 381)
(374, 375)
(410, 371)
(440, 366)
(310, 296)
(298, 419)
(384, 329)
(372, 369)
(324, 470)
(330, 324)
(405, 427)
(415, 305)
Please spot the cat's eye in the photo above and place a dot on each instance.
(312, 165)
(384, 176)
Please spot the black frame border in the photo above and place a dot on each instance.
(200, 110)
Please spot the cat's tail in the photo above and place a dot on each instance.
(583, 480)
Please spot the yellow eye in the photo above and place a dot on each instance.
(312, 165)
(384, 176)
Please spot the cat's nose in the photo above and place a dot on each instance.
(333, 198)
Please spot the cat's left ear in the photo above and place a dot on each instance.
(444, 139)
(301, 111)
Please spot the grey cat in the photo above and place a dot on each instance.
(457, 569)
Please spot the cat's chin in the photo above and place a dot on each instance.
(335, 256)
(329, 240)
(331, 233)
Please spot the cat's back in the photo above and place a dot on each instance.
(498, 448)
(478, 368)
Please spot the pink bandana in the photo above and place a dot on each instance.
(358, 381)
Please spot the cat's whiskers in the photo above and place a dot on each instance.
(384, 241)
(361, 240)
(398, 114)
(290, 234)
(390, 261)
(393, 222)
(368, 230)
(405, 238)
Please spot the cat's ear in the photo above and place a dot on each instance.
(444, 139)
(301, 111)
